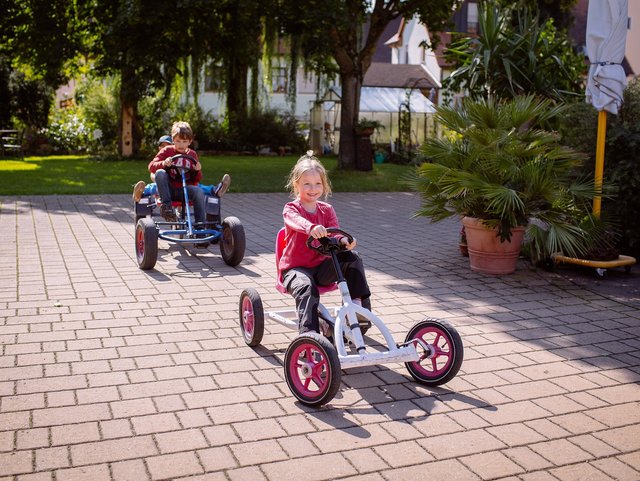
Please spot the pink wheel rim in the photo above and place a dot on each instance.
(438, 362)
(309, 371)
(248, 320)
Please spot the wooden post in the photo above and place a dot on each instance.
(127, 132)
(599, 171)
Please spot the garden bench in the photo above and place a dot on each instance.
(11, 141)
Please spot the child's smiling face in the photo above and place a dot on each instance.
(310, 187)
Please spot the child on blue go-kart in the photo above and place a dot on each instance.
(304, 269)
(168, 180)
(142, 189)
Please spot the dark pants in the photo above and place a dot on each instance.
(168, 193)
(302, 283)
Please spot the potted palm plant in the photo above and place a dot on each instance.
(498, 169)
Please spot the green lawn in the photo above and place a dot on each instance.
(72, 174)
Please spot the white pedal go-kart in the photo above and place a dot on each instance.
(432, 350)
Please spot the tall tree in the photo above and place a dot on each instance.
(235, 41)
(349, 30)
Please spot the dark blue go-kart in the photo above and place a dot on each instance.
(228, 233)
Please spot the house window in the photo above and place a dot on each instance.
(279, 80)
(213, 78)
(472, 17)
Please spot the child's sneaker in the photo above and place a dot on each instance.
(167, 213)
(138, 189)
(224, 185)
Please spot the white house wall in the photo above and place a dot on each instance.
(215, 102)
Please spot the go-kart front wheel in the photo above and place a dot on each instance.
(251, 317)
(312, 369)
(232, 241)
(146, 243)
(442, 361)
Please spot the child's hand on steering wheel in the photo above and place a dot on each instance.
(318, 231)
(348, 245)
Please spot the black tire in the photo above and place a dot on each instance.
(232, 241)
(312, 369)
(445, 342)
(251, 317)
(146, 238)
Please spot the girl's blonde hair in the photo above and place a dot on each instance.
(304, 164)
(182, 130)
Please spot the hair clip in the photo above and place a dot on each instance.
(310, 153)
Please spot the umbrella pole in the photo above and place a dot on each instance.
(602, 133)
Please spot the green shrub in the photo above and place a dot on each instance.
(69, 132)
(622, 151)
(272, 129)
(99, 105)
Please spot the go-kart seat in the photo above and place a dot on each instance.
(280, 243)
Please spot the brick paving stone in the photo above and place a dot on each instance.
(451, 470)
(32, 438)
(51, 458)
(577, 423)
(16, 463)
(580, 471)
(113, 450)
(616, 469)
(182, 440)
(560, 452)
(460, 444)
(527, 458)
(259, 452)
(323, 467)
(70, 414)
(298, 446)
(85, 473)
(155, 423)
(169, 466)
(405, 453)
(624, 439)
(129, 470)
(218, 458)
(75, 433)
(251, 473)
(516, 434)
(594, 446)
(491, 465)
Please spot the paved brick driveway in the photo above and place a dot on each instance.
(111, 373)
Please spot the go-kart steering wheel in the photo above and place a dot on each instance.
(182, 162)
(327, 244)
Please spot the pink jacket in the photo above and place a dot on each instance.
(298, 223)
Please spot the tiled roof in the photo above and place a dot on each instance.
(397, 75)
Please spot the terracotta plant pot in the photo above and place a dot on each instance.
(487, 254)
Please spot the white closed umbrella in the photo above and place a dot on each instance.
(606, 37)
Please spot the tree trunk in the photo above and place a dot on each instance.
(349, 111)
(237, 74)
(130, 136)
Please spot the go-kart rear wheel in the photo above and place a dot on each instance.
(232, 241)
(251, 317)
(146, 243)
(442, 361)
(312, 369)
